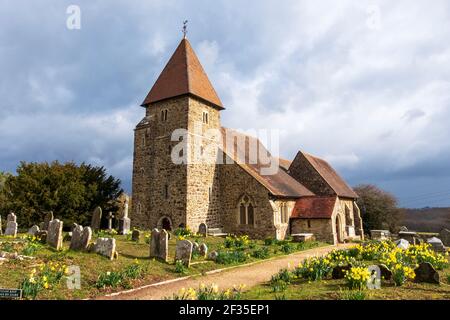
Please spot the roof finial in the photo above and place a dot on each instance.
(185, 28)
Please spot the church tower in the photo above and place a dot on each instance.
(166, 193)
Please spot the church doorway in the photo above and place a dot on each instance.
(165, 223)
(339, 230)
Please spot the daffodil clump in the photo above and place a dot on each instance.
(209, 292)
(424, 253)
(341, 257)
(314, 269)
(357, 278)
(233, 241)
(32, 245)
(373, 250)
(43, 277)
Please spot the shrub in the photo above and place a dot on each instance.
(180, 267)
(261, 253)
(109, 279)
(229, 257)
(182, 232)
(270, 241)
(357, 278)
(233, 241)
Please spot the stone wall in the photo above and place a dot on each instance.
(321, 228)
(302, 171)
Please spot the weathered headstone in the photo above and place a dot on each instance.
(203, 250)
(106, 247)
(380, 234)
(402, 244)
(203, 229)
(195, 247)
(81, 237)
(11, 225)
(386, 274)
(48, 217)
(135, 235)
(408, 235)
(339, 271)
(41, 226)
(444, 235)
(33, 230)
(184, 252)
(426, 273)
(96, 219)
(54, 235)
(213, 255)
(436, 244)
(110, 218)
(159, 245)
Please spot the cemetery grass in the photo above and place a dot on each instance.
(92, 265)
(329, 289)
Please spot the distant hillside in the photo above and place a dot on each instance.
(427, 219)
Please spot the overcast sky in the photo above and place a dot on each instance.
(364, 84)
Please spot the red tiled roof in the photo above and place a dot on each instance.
(314, 208)
(183, 74)
(285, 164)
(331, 177)
(279, 184)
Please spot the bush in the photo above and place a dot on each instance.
(182, 232)
(180, 267)
(261, 253)
(230, 257)
(233, 241)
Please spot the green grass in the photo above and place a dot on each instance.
(337, 290)
(93, 265)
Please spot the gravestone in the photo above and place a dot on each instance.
(302, 237)
(184, 252)
(110, 218)
(33, 230)
(213, 255)
(54, 234)
(42, 236)
(11, 225)
(48, 217)
(81, 237)
(408, 236)
(339, 271)
(195, 247)
(380, 234)
(96, 219)
(203, 250)
(203, 229)
(386, 274)
(426, 273)
(159, 245)
(444, 235)
(124, 221)
(106, 247)
(135, 235)
(436, 244)
(402, 244)
(41, 226)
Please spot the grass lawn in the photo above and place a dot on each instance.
(92, 265)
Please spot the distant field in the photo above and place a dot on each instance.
(427, 219)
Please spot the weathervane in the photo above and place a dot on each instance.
(185, 28)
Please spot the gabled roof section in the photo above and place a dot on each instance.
(279, 184)
(314, 208)
(330, 176)
(183, 74)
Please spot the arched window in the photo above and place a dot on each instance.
(246, 211)
(164, 115)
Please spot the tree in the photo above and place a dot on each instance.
(72, 192)
(378, 208)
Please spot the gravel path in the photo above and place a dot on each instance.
(250, 275)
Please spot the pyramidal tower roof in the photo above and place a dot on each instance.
(182, 75)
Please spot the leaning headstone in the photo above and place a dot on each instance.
(426, 273)
(33, 230)
(386, 274)
(213, 255)
(81, 237)
(444, 235)
(106, 247)
(54, 236)
(159, 245)
(436, 244)
(135, 235)
(203, 229)
(11, 225)
(184, 252)
(96, 219)
(340, 271)
(402, 244)
(48, 217)
(203, 250)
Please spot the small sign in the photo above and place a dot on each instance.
(10, 293)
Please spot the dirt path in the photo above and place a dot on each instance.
(249, 275)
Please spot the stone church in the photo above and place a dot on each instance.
(228, 190)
